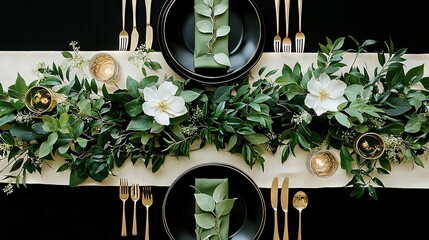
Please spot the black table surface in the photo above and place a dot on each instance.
(94, 212)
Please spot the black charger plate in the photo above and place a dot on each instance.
(247, 218)
(176, 26)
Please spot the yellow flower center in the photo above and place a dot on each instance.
(162, 105)
(323, 95)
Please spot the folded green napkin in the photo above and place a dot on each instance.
(219, 55)
(213, 191)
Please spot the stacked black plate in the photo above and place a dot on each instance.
(247, 218)
(176, 27)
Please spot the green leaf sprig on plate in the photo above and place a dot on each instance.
(213, 209)
(211, 11)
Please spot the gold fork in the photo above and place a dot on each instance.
(299, 37)
(135, 196)
(123, 195)
(277, 38)
(147, 200)
(123, 35)
(287, 43)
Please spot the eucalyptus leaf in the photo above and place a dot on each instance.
(205, 220)
(204, 26)
(222, 59)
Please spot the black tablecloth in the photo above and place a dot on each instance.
(95, 213)
(95, 24)
(60, 212)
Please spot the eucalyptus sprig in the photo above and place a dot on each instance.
(211, 11)
(209, 222)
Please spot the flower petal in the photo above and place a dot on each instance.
(336, 88)
(162, 118)
(324, 79)
(319, 109)
(166, 90)
(150, 94)
(311, 100)
(150, 108)
(314, 87)
(176, 106)
(332, 104)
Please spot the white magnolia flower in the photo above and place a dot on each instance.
(325, 94)
(162, 104)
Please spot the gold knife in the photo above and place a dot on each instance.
(149, 30)
(134, 32)
(284, 198)
(274, 199)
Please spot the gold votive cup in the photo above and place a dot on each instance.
(40, 99)
(369, 145)
(104, 68)
(322, 163)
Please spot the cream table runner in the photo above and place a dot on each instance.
(404, 175)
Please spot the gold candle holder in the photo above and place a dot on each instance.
(322, 163)
(369, 145)
(40, 99)
(104, 68)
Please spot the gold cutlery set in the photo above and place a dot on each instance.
(147, 201)
(300, 202)
(123, 35)
(286, 44)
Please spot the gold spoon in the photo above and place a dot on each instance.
(300, 202)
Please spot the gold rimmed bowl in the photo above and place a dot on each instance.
(40, 99)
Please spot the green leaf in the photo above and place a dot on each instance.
(222, 94)
(133, 87)
(220, 191)
(189, 95)
(256, 138)
(203, 10)
(222, 59)
(204, 26)
(343, 119)
(205, 220)
(47, 146)
(140, 123)
(396, 106)
(6, 108)
(84, 106)
(372, 192)
(67, 54)
(224, 207)
(134, 107)
(413, 125)
(7, 118)
(220, 8)
(346, 159)
(205, 202)
(222, 31)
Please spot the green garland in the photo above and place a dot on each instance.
(94, 130)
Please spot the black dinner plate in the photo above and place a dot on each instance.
(247, 217)
(176, 40)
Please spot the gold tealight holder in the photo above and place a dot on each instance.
(322, 163)
(104, 68)
(40, 99)
(369, 145)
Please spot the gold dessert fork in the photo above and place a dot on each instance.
(299, 37)
(123, 195)
(135, 196)
(123, 35)
(277, 38)
(287, 43)
(147, 201)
